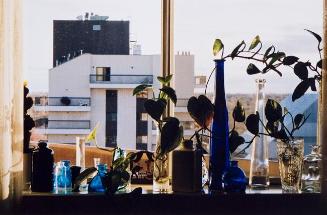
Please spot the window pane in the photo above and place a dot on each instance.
(82, 68)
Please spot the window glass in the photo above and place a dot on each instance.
(277, 22)
(82, 62)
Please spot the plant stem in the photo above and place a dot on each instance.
(205, 91)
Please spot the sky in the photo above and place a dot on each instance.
(197, 24)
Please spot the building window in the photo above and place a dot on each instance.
(96, 27)
(142, 139)
(111, 118)
(103, 73)
(200, 80)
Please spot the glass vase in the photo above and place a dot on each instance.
(234, 179)
(219, 147)
(160, 169)
(290, 159)
(259, 168)
(96, 183)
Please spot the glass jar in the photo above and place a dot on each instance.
(312, 164)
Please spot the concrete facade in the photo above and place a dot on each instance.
(78, 78)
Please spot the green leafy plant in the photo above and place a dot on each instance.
(275, 126)
(118, 176)
(273, 60)
(171, 132)
(170, 129)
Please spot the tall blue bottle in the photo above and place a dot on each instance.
(219, 147)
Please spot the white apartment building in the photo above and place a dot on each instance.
(91, 89)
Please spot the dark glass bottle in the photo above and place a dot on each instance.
(234, 179)
(42, 169)
(219, 147)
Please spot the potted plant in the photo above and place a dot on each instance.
(289, 148)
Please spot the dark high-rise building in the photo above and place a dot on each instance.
(90, 36)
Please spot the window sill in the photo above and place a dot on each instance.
(264, 202)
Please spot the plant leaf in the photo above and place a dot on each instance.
(317, 36)
(236, 50)
(273, 111)
(252, 69)
(319, 64)
(312, 82)
(239, 112)
(300, 89)
(171, 135)
(252, 123)
(165, 80)
(289, 60)
(268, 52)
(300, 69)
(275, 57)
(255, 42)
(235, 141)
(140, 88)
(83, 176)
(201, 110)
(217, 46)
(155, 108)
(272, 127)
(282, 135)
(298, 119)
(170, 92)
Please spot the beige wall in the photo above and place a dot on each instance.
(71, 78)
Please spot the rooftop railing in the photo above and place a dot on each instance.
(62, 101)
(121, 79)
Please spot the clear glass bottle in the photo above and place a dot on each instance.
(311, 171)
(259, 169)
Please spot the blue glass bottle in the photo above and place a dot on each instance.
(234, 179)
(63, 177)
(219, 148)
(96, 183)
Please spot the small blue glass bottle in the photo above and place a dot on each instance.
(219, 147)
(96, 183)
(234, 179)
(63, 177)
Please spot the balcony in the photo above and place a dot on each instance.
(62, 104)
(119, 81)
(66, 127)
